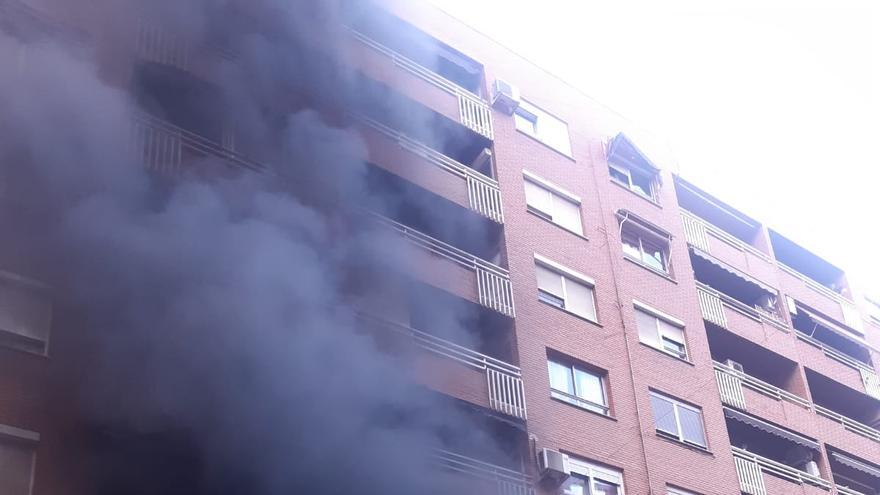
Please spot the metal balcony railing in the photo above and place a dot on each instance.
(731, 382)
(751, 467)
(163, 146)
(494, 289)
(474, 113)
(507, 481)
(504, 380)
(842, 490)
(849, 424)
(696, 231)
(484, 195)
(834, 353)
(713, 302)
(155, 43)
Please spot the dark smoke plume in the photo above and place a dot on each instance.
(211, 326)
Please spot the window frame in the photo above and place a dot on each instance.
(627, 171)
(567, 275)
(556, 194)
(532, 113)
(587, 471)
(659, 316)
(676, 405)
(672, 490)
(575, 399)
(640, 235)
(25, 439)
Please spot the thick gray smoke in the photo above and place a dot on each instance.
(205, 340)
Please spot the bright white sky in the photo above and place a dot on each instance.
(773, 106)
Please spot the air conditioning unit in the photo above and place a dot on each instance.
(553, 466)
(733, 364)
(505, 96)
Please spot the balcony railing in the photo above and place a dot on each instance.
(506, 393)
(696, 230)
(751, 467)
(712, 304)
(870, 379)
(484, 195)
(842, 490)
(155, 43)
(494, 290)
(851, 314)
(474, 113)
(507, 481)
(849, 424)
(731, 381)
(163, 146)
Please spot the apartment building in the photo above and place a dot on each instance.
(627, 332)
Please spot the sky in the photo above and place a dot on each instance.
(772, 106)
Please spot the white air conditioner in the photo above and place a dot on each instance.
(505, 96)
(733, 364)
(553, 466)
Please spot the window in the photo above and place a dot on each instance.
(565, 292)
(659, 333)
(554, 206)
(637, 181)
(645, 250)
(678, 420)
(16, 466)
(25, 314)
(670, 490)
(591, 479)
(577, 386)
(543, 127)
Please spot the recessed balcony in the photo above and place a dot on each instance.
(847, 413)
(852, 475)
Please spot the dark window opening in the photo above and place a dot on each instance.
(843, 400)
(807, 263)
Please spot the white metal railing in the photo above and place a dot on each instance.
(161, 146)
(474, 113)
(711, 306)
(849, 424)
(842, 490)
(508, 481)
(493, 282)
(155, 43)
(506, 393)
(871, 382)
(751, 479)
(484, 195)
(696, 229)
(778, 469)
(833, 353)
(759, 386)
(730, 388)
(812, 284)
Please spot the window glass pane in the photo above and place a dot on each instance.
(604, 488)
(652, 255)
(589, 386)
(549, 281)
(692, 426)
(567, 214)
(579, 299)
(15, 468)
(618, 175)
(560, 377)
(671, 332)
(674, 347)
(664, 415)
(554, 133)
(641, 184)
(631, 245)
(647, 325)
(539, 198)
(575, 486)
(525, 122)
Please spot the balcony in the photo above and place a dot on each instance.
(729, 313)
(446, 267)
(847, 414)
(396, 53)
(483, 477)
(422, 165)
(819, 284)
(760, 475)
(835, 351)
(853, 476)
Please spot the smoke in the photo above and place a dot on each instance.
(212, 344)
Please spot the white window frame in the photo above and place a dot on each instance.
(16, 340)
(556, 193)
(671, 320)
(640, 234)
(676, 405)
(575, 399)
(671, 490)
(568, 274)
(652, 192)
(533, 113)
(27, 438)
(584, 469)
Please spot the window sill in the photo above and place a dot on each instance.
(542, 143)
(676, 441)
(557, 308)
(643, 197)
(606, 416)
(650, 269)
(661, 351)
(530, 212)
